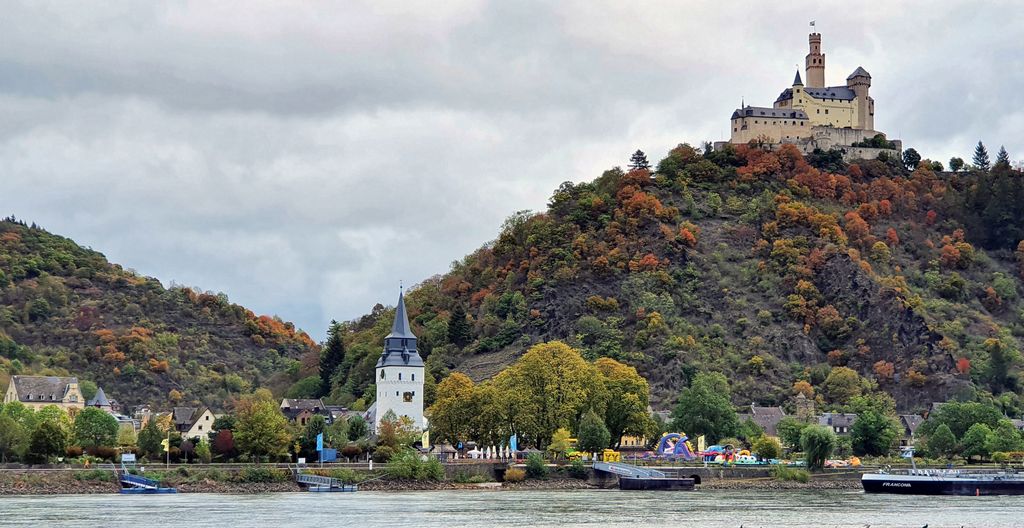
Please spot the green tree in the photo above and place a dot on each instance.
(766, 447)
(911, 158)
(818, 442)
(959, 417)
(203, 452)
(1002, 159)
(332, 356)
(981, 161)
(150, 438)
(95, 428)
(942, 443)
(974, 442)
(874, 433)
(261, 429)
(307, 441)
(13, 439)
(704, 408)
(790, 428)
(357, 428)
(460, 331)
(1005, 437)
(955, 164)
(126, 436)
(48, 440)
(593, 436)
(559, 443)
(638, 161)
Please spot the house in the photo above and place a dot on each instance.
(301, 411)
(37, 392)
(767, 418)
(910, 423)
(100, 401)
(192, 421)
(841, 423)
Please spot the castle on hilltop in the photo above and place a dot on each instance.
(816, 116)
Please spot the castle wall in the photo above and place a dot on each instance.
(834, 112)
(746, 129)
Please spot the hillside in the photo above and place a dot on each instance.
(65, 310)
(766, 266)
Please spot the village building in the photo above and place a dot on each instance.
(399, 374)
(815, 116)
(841, 423)
(37, 392)
(767, 418)
(910, 423)
(300, 411)
(192, 422)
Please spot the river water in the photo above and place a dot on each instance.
(470, 508)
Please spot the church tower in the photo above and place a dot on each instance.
(815, 63)
(399, 373)
(860, 82)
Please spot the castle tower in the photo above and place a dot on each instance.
(399, 373)
(859, 81)
(815, 63)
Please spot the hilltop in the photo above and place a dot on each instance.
(764, 265)
(66, 310)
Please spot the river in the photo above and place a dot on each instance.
(605, 508)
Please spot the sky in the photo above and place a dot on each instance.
(306, 157)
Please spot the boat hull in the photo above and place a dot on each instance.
(656, 483)
(924, 485)
(148, 491)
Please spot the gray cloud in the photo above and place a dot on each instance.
(304, 159)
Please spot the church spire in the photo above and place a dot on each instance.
(797, 81)
(400, 328)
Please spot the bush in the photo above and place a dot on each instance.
(106, 453)
(383, 454)
(463, 478)
(536, 468)
(515, 475)
(791, 474)
(261, 474)
(345, 475)
(73, 452)
(578, 470)
(1000, 457)
(408, 464)
(95, 474)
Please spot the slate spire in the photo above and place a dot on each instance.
(797, 81)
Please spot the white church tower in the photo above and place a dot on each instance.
(399, 373)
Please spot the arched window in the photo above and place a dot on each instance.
(382, 374)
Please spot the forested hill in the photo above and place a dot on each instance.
(784, 273)
(65, 310)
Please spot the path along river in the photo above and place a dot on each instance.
(470, 508)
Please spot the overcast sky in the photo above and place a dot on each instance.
(305, 157)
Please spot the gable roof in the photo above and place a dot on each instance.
(767, 418)
(185, 416)
(842, 93)
(837, 419)
(765, 112)
(300, 404)
(911, 422)
(37, 389)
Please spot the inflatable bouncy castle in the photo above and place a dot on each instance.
(675, 445)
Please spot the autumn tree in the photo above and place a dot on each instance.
(332, 356)
(628, 396)
(842, 384)
(261, 430)
(452, 411)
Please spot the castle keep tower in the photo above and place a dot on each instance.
(399, 373)
(859, 81)
(815, 63)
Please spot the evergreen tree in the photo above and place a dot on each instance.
(331, 357)
(981, 161)
(1002, 159)
(459, 329)
(639, 161)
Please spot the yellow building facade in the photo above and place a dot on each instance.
(803, 113)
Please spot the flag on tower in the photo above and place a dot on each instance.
(812, 23)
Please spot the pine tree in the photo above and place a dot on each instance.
(1002, 159)
(638, 161)
(980, 160)
(459, 330)
(331, 357)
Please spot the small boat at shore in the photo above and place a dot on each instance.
(942, 481)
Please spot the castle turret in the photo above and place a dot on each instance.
(815, 63)
(860, 81)
(399, 373)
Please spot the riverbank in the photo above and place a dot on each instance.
(70, 482)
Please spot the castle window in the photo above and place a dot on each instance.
(382, 374)
(414, 376)
(407, 397)
(826, 111)
(396, 393)
(399, 376)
